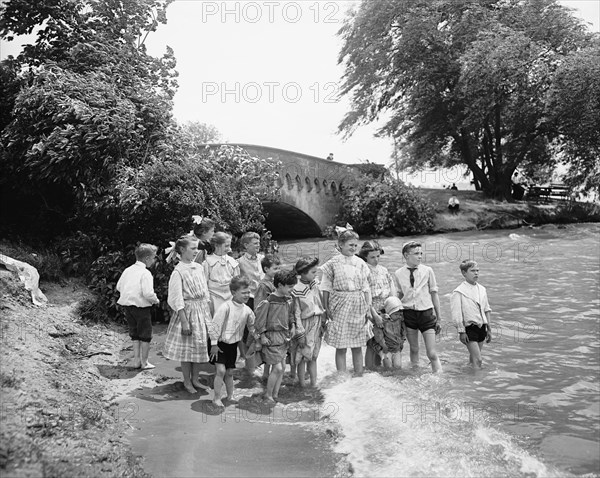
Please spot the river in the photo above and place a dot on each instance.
(533, 410)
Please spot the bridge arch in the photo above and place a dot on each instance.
(309, 191)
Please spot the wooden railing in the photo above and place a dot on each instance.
(554, 192)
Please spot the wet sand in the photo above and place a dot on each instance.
(184, 435)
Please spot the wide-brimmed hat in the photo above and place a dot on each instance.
(392, 304)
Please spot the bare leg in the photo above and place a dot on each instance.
(370, 359)
(474, 349)
(186, 370)
(429, 337)
(218, 384)
(144, 349)
(250, 364)
(340, 360)
(195, 377)
(301, 372)
(312, 371)
(397, 360)
(266, 371)
(274, 376)
(412, 335)
(357, 360)
(387, 363)
(278, 382)
(137, 361)
(229, 384)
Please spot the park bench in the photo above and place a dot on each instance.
(553, 192)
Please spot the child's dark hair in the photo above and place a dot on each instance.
(205, 225)
(409, 246)
(346, 236)
(305, 264)
(144, 251)
(219, 238)
(183, 242)
(466, 265)
(238, 282)
(369, 246)
(285, 278)
(247, 237)
(269, 261)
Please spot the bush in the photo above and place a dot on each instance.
(375, 206)
(47, 261)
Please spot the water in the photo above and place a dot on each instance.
(534, 410)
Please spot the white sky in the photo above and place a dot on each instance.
(266, 72)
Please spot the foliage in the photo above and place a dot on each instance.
(376, 206)
(46, 260)
(197, 134)
(574, 103)
(461, 81)
(373, 170)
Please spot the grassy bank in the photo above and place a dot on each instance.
(477, 212)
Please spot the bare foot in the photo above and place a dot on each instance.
(218, 403)
(200, 385)
(269, 400)
(189, 387)
(148, 366)
(135, 363)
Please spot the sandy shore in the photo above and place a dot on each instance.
(181, 434)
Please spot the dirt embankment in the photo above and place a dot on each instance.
(477, 212)
(57, 417)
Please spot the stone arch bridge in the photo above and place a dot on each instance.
(310, 191)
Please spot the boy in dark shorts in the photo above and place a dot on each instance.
(136, 289)
(418, 291)
(471, 312)
(225, 332)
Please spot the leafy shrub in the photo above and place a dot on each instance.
(375, 206)
(47, 262)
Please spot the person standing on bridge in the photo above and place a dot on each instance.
(347, 301)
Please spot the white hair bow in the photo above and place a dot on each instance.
(339, 229)
(197, 219)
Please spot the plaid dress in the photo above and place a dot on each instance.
(382, 286)
(346, 280)
(188, 291)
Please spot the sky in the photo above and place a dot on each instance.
(267, 72)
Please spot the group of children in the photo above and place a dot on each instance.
(221, 304)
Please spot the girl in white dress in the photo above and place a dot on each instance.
(219, 269)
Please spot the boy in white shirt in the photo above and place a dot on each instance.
(471, 312)
(136, 288)
(226, 331)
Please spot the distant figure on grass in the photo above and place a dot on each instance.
(136, 288)
(388, 340)
(382, 286)
(219, 269)
(330, 157)
(189, 298)
(347, 302)
(275, 327)
(453, 204)
(270, 265)
(453, 187)
(250, 266)
(308, 316)
(225, 331)
(204, 230)
(471, 312)
(418, 290)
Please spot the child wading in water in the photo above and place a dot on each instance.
(270, 265)
(418, 291)
(471, 312)
(382, 286)
(275, 326)
(308, 316)
(226, 331)
(219, 269)
(137, 296)
(347, 302)
(388, 340)
(186, 339)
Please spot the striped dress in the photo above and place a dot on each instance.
(382, 286)
(346, 279)
(188, 291)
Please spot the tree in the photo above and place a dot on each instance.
(197, 134)
(90, 100)
(462, 81)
